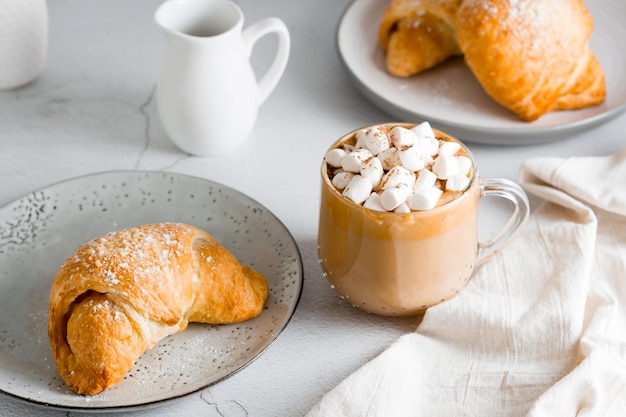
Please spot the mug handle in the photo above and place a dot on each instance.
(252, 34)
(514, 193)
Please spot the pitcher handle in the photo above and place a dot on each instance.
(252, 34)
(514, 193)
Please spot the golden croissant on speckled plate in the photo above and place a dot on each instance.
(531, 56)
(120, 294)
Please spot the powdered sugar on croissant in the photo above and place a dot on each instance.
(121, 293)
(532, 56)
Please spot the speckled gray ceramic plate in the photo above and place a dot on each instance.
(39, 231)
(449, 97)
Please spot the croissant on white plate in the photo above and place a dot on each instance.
(120, 294)
(531, 56)
(418, 35)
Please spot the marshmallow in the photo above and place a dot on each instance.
(373, 171)
(425, 180)
(373, 139)
(425, 200)
(389, 158)
(358, 189)
(402, 208)
(396, 176)
(458, 182)
(399, 171)
(393, 197)
(445, 166)
(423, 130)
(428, 160)
(411, 159)
(353, 160)
(428, 145)
(334, 157)
(448, 148)
(359, 142)
(402, 138)
(465, 164)
(373, 202)
(341, 179)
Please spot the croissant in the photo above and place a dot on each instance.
(418, 34)
(120, 294)
(532, 56)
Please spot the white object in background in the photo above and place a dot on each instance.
(23, 41)
(207, 93)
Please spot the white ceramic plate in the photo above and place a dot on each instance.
(37, 233)
(450, 97)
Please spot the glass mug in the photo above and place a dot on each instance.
(403, 263)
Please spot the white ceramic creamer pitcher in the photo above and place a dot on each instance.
(207, 93)
(23, 41)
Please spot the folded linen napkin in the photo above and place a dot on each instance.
(540, 330)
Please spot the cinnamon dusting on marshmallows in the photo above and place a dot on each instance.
(393, 168)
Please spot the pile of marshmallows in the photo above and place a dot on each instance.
(402, 171)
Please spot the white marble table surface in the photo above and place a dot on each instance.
(93, 109)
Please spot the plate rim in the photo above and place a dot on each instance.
(158, 402)
(492, 135)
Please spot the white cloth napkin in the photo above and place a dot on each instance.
(540, 330)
